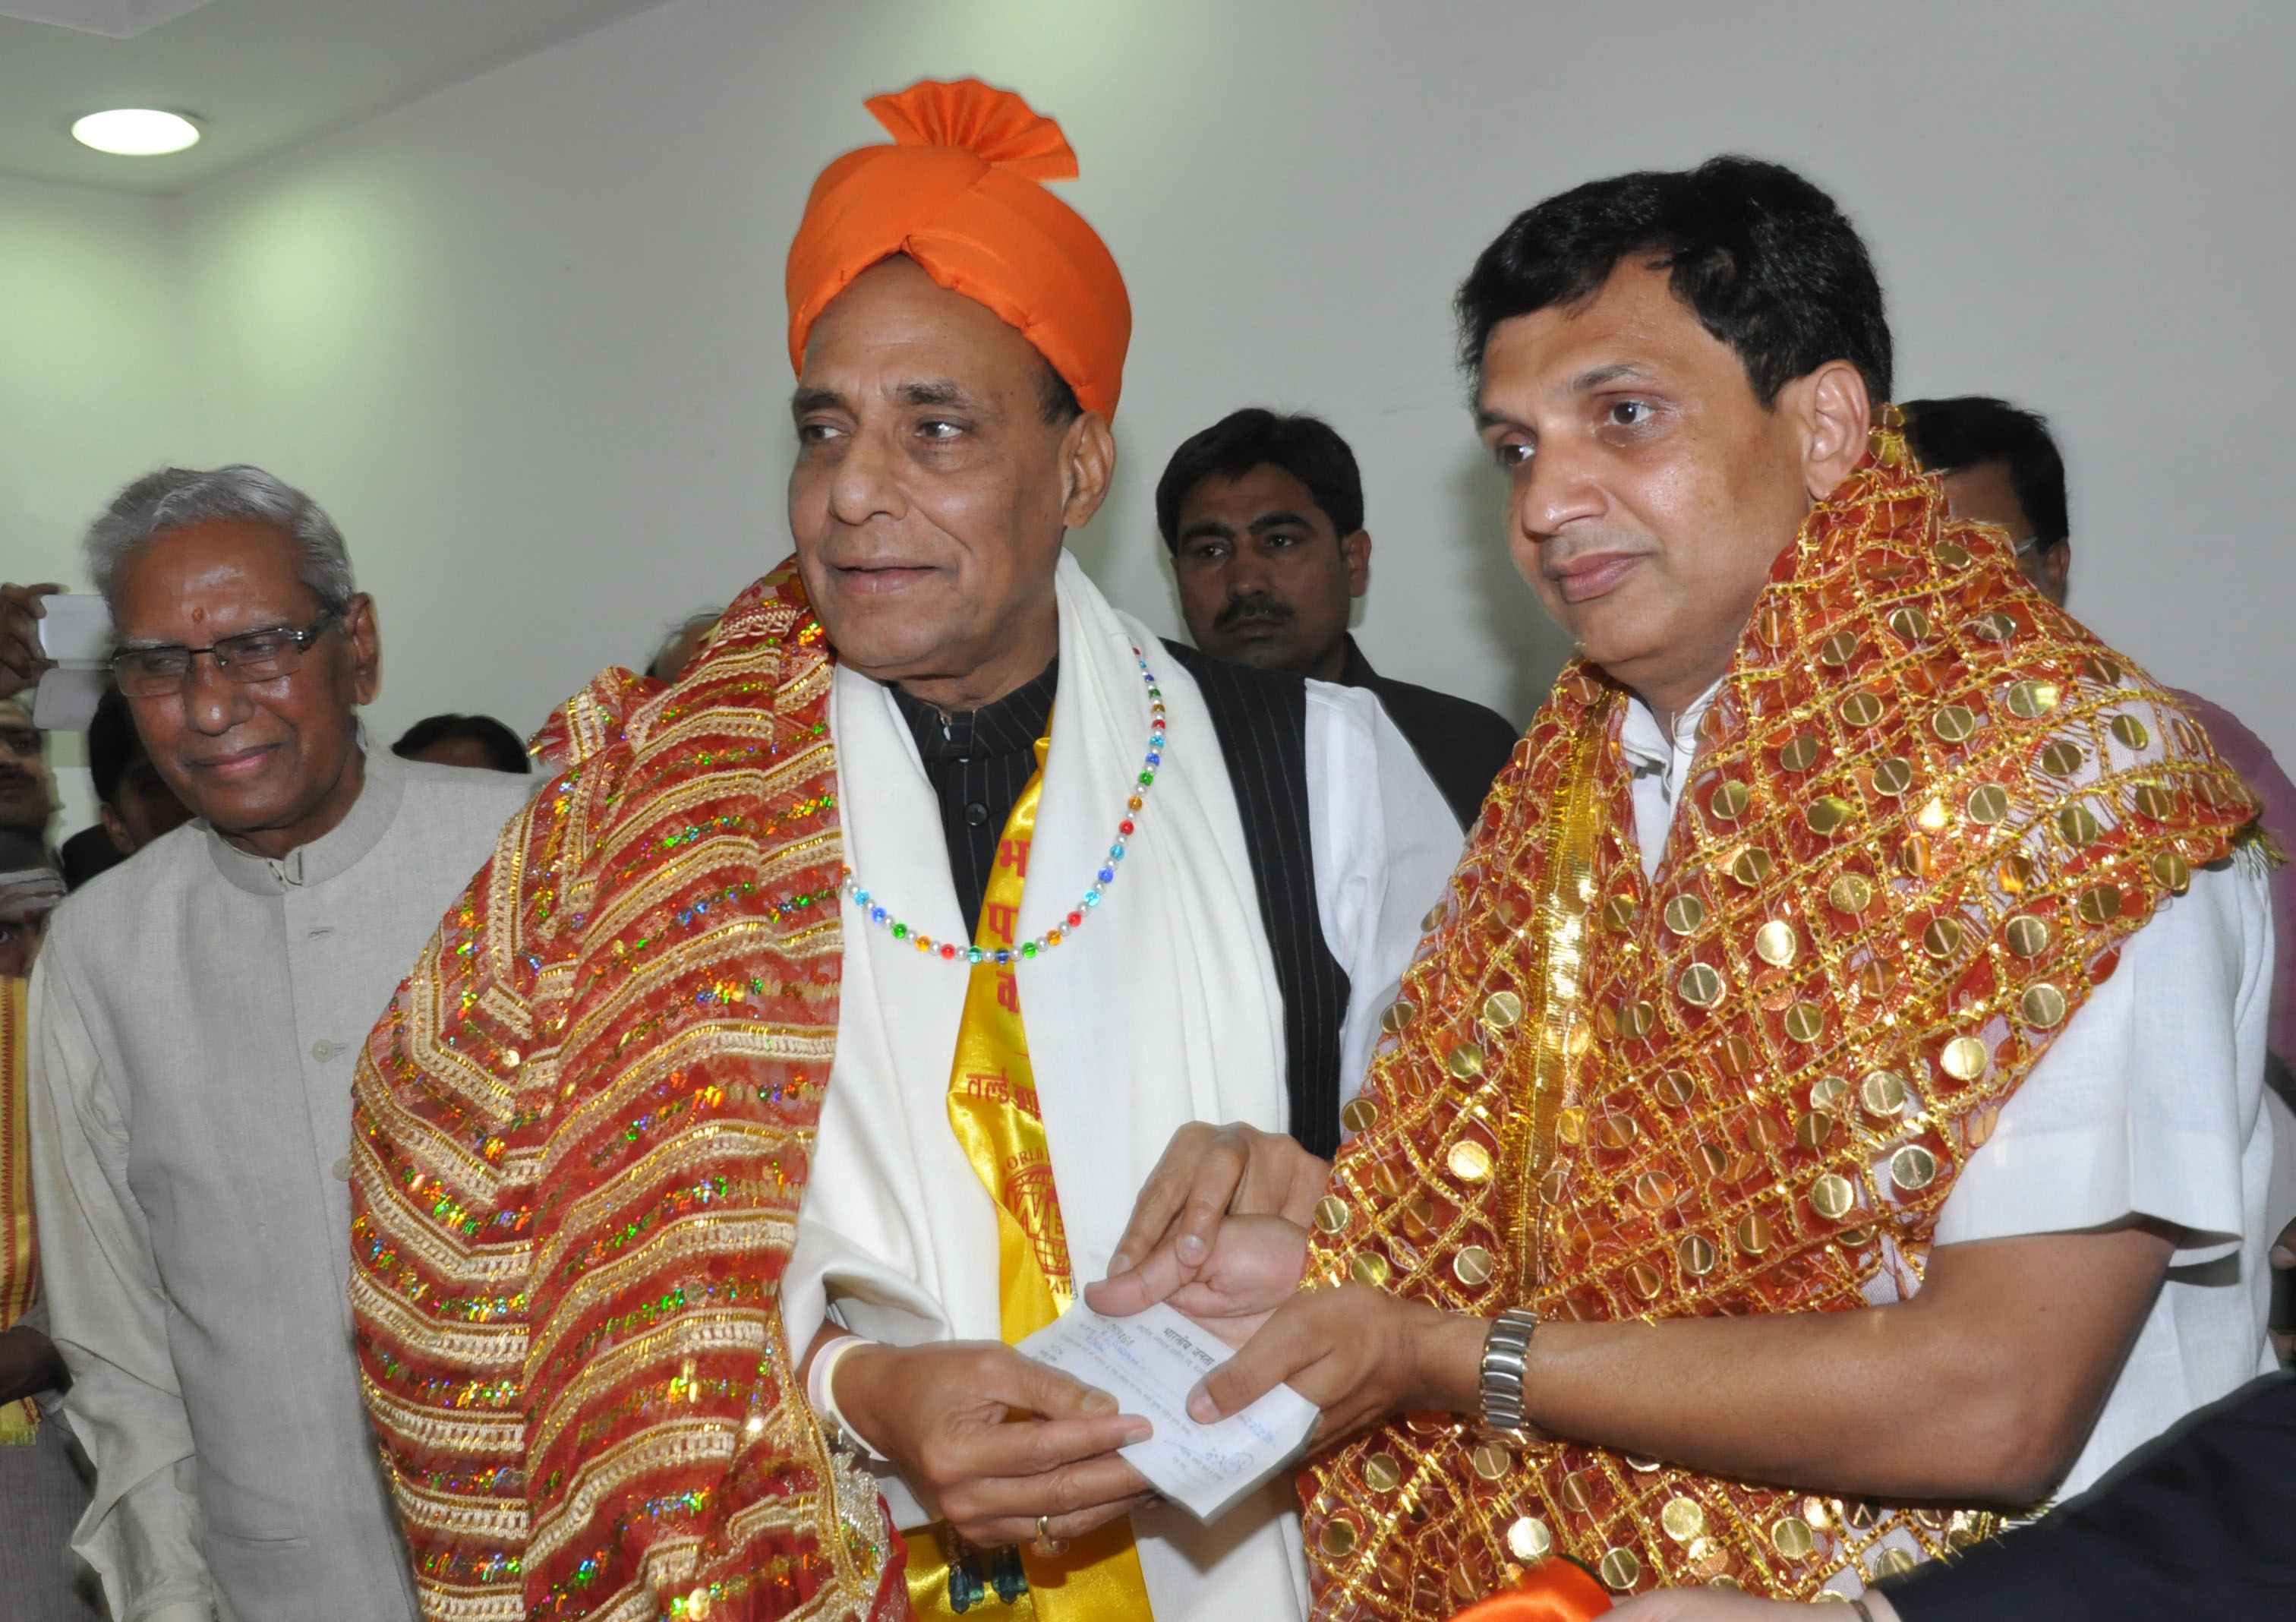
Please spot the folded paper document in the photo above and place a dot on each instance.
(1149, 1363)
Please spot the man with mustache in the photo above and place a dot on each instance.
(1264, 517)
(804, 1046)
(193, 1020)
(1829, 1109)
(28, 798)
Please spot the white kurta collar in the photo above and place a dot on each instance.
(334, 852)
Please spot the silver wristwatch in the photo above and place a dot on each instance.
(1504, 1349)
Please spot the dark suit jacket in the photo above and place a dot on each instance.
(2200, 1524)
(1462, 744)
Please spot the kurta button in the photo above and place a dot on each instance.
(324, 1049)
(342, 1169)
(976, 813)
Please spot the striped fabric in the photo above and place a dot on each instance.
(1261, 717)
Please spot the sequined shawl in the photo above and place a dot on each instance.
(1926, 811)
(581, 1136)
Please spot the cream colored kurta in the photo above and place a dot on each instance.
(194, 1016)
(1163, 1009)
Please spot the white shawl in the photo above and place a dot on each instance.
(1163, 1009)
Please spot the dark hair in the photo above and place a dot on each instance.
(1972, 430)
(1306, 447)
(1765, 259)
(505, 752)
(1055, 398)
(113, 745)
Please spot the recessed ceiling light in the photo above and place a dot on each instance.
(135, 132)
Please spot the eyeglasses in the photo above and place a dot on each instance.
(251, 656)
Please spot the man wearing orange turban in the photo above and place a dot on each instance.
(755, 1098)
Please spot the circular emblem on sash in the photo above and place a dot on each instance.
(1850, 893)
(1368, 1269)
(1699, 986)
(1893, 777)
(1697, 1255)
(2130, 731)
(1913, 1169)
(2031, 701)
(1965, 1058)
(1684, 913)
(1360, 1114)
(2026, 935)
(1790, 1536)
(2080, 826)
(1987, 804)
(1774, 943)
(1382, 1473)
(2099, 904)
(1955, 723)
(1799, 754)
(1728, 802)
(1473, 1267)
(1621, 1568)
(1528, 1540)
(1331, 1213)
(1910, 624)
(2042, 1006)
(2062, 758)
(1469, 1161)
(1838, 649)
(1860, 709)
(1827, 813)
(1833, 1197)
(1683, 1519)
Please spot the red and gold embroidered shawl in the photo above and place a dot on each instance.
(582, 1133)
(1927, 810)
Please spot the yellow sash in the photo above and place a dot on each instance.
(19, 1260)
(992, 1104)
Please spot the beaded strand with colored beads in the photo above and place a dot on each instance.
(878, 913)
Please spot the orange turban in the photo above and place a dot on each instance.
(960, 192)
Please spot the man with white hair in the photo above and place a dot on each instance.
(192, 1026)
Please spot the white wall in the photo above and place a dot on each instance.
(92, 379)
(524, 337)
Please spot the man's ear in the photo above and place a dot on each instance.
(1836, 416)
(366, 638)
(2056, 570)
(1357, 550)
(117, 829)
(1087, 464)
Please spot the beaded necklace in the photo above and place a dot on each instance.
(949, 951)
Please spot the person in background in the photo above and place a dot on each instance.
(133, 802)
(1264, 517)
(43, 1485)
(193, 1023)
(481, 742)
(2001, 466)
(678, 648)
(28, 792)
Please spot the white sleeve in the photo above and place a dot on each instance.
(108, 1316)
(1384, 842)
(2150, 1101)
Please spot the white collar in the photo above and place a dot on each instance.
(1651, 752)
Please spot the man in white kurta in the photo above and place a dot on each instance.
(1164, 1010)
(194, 1018)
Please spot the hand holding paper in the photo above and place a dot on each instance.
(1150, 1362)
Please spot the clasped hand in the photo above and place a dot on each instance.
(1220, 1231)
(991, 1440)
